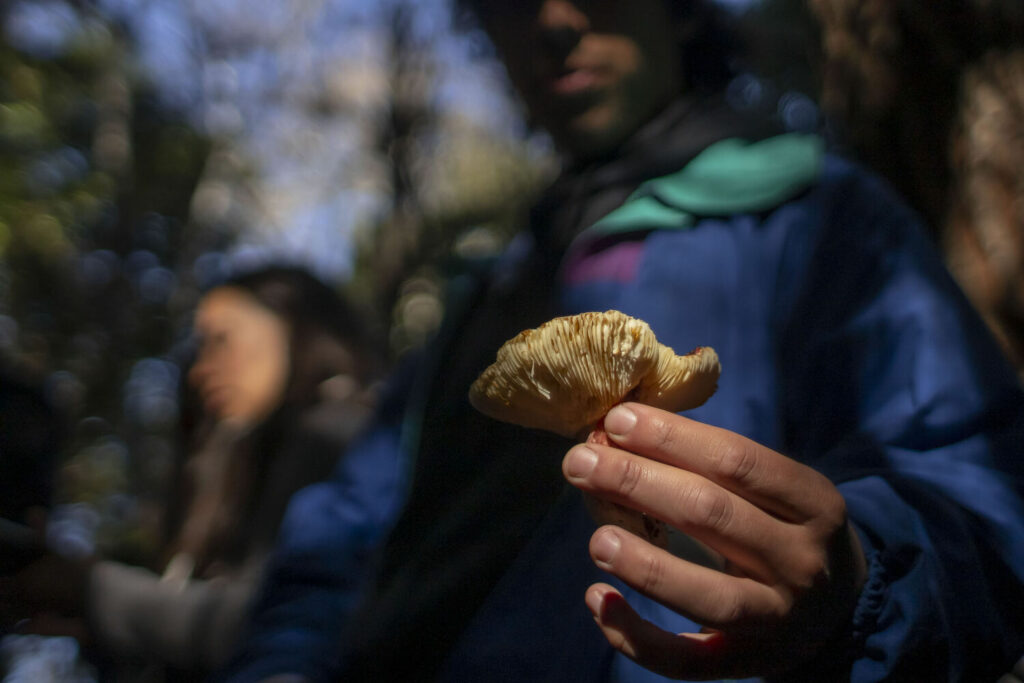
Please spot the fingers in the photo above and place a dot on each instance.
(704, 595)
(690, 656)
(773, 482)
(795, 567)
(755, 541)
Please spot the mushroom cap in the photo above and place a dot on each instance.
(566, 374)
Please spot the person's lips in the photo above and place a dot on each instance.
(573, 82)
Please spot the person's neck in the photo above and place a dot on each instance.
(664, 144)
(684, 126)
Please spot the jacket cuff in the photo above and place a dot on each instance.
(834, 660)
(870, 603)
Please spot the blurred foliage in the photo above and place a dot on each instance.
(456, 192)
(95, 250)
(116, 208)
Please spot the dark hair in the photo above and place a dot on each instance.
(327, 337)
(709, 50)
(324, 327)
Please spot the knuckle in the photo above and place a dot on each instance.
(630, 476)
(811, 569)
(665, 435)
(727, 607)
(813, 566)
(837, 513)
(832, 515)
(653, 575)
(709, 507)
(736, 462)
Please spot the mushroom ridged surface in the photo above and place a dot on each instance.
(566, 374)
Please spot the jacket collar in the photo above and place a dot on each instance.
(730, 176)
(585, 193)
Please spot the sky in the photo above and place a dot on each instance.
(261, 66)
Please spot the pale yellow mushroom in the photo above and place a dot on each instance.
(565, 375)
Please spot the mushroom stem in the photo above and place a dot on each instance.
(606, 512)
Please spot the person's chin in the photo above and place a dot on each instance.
(218, 406)
(594, 133)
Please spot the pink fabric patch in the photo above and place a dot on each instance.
(615, 264)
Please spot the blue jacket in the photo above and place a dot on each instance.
(844, 344)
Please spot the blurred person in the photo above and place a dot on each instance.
(858, 470)
(282, 380)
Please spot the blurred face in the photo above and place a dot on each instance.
(243, 363)
(590, 71)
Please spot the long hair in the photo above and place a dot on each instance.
(327, 338)
(323, 328)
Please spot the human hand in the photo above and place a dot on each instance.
(794, 566)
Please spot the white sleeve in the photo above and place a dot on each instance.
(133, 614)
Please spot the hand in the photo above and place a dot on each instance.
(794, 566)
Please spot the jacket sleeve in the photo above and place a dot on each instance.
(134, 614)
(883, 350)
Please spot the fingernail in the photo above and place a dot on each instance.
(619, 421)
(605, 546)
(580, 462)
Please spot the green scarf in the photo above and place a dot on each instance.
(731, 176)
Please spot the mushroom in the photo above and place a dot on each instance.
(565, 375)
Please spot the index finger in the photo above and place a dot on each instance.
(770, 480)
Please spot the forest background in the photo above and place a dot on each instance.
(149, 146)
